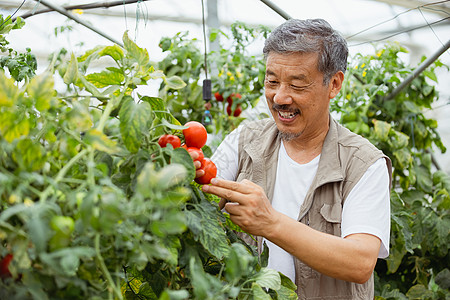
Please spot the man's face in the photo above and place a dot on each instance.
(296, 95)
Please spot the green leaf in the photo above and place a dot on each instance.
(173, 126)
(115, 52)
(41, 89)
(29, 155)
(427, 90)
(239, 262)
(90, 87)
(381, 129)
(207, 230)
(100, 141)
(8, 91)
(171, 175)
(202, 282)
(145, 290)
(105, 78)
(430, 74)
(419, 291)
(268, 278)
(134, 120)
(138, 54)
(71, 74)
(443, 279)
(401, 140)
(175, 82)
(174, 295)
(155, 102)
(287, 282)
(13, 126)
(182, 157)
(259, 293)
(424, 178)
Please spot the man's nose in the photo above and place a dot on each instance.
(282, 95)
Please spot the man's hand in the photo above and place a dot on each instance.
(197, 165)
(247, 205)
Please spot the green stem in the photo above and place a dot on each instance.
(104, 269)
(91, 165)
(108, 109)
(110, 106)
(62, 173)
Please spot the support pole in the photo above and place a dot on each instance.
(83, 6)
(275, 8)
(419, 70)
(78, 20)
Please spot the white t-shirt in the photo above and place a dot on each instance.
(366, 209)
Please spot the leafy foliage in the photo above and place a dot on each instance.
(420, 200)
(20, 65)
(93, 208)
(233, 70)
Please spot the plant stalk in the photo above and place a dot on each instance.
(104, 269)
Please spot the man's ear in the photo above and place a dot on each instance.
(336, 84)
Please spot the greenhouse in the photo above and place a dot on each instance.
(224, 149)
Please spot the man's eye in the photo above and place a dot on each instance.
(296, 87)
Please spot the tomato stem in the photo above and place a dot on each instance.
(104, 269)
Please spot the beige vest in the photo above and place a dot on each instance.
(344, 159)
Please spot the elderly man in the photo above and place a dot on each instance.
(315, 192)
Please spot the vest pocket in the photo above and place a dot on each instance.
(332, 213)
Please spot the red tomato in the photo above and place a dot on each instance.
(169, 139)
(210, 172)
(218, 96)
(200, 157)
(4, 266)
(195, 135)
(233, 95)
(236, 112)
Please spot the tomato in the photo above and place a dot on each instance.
(200, 157)
(233, 95)
(169, 139)
(218, 96)
(237, 110)
(4, 266)
(210, 172)
(195, 135)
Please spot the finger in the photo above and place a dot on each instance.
(194, 155)
(228, 194)
(199, 173)
(244, 187)
(233, 208)
(197, 164)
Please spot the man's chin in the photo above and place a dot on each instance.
(288, 136)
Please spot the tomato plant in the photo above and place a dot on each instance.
(195, 135)
(92, 207)
(169, 139)
(210, 171)
(239, 72)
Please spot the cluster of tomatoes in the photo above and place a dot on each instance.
(195, 136)
(238, 110)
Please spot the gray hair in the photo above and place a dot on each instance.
(310, 36)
